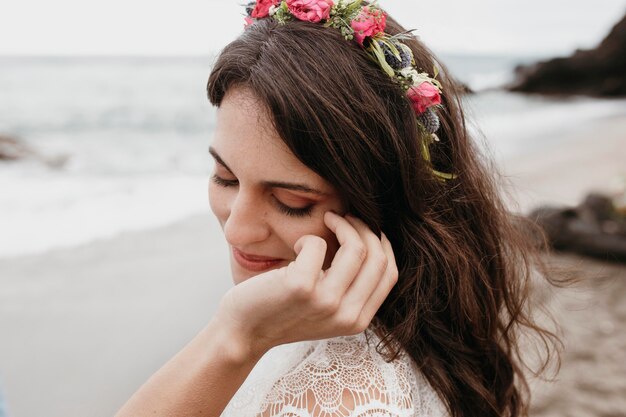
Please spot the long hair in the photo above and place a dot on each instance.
(464, 261)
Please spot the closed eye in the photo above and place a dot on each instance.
(293, 211)
(282, 207)
(224, 182)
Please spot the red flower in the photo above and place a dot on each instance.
(423, 96)
(368, 23)
(262, 8)
(310, 10)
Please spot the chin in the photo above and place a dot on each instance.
(238, 273)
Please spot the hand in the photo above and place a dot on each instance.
(303, 302)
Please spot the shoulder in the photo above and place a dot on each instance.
(347, 376)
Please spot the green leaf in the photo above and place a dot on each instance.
(380, 55)
(443, 175)
(352, 9)
(391, 47)
(425, 151)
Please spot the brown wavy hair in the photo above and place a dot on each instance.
(464, 260)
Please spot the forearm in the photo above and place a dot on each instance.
(198, 381)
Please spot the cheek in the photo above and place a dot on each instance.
(332, 246)
(218, 201)
(292, 232)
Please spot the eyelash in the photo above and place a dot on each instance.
(289, 211)
(221, 181)
(294, 212)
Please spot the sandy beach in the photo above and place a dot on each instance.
(592, 314)
(592, 158)
(83, 327)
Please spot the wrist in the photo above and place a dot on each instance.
(233, 344)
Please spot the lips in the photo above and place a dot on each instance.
(255, 263)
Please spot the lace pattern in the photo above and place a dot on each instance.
(337, 377)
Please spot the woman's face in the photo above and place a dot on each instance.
(264, 198)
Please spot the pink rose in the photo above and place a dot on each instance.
(262, 8)
(368, 23)
(423, 96)
(310, 10)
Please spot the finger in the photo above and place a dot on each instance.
(392, 266)
(374, 263)
(349, 256)
(372, 271)
(311, 252)
(385, 285)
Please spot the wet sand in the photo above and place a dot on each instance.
(83, 328)
(592, 158)
(592, 316)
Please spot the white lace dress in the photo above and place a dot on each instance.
(337, 377)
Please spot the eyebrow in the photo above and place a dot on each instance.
(219, 159)
(271, 184)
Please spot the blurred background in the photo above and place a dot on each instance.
(110, 260)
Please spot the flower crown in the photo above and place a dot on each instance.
(366, 25)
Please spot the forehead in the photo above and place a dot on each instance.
(248, 143)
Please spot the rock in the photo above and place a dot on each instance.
(56, 161)
(597, 208)
(599, 72)
(465, 89)
(592, 228)
(11, 149)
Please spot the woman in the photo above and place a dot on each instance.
(378, 272)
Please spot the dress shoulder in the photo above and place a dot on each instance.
(337, 377)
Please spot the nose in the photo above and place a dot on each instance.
(246, 223)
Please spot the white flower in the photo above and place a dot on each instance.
(418, 77)
(272, 10)
(410, 73)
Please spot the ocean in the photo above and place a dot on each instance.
(120, 143)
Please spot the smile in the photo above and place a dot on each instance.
(253, 262)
